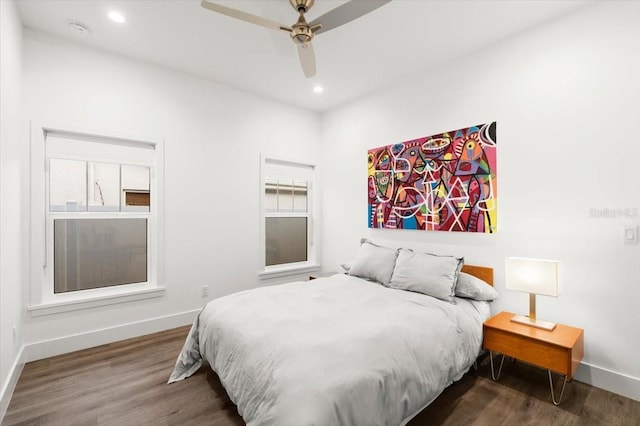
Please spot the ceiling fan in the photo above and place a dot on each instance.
(302, 32)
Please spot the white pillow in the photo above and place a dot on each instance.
(474, 288)
(426, 273)
(374, 262)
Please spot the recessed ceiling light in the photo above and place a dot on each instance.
(318, 89)
(116, 17)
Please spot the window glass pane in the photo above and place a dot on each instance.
(285, 196)
(135, 188)
(93, 253)
(271, 195)
(286, 240)
(67, 185)
(104, 187)
(300, 196)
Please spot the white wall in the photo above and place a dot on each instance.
(567, 104)
(213, 136)
(12, 190)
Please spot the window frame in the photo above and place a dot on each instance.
(42, 299)
(294, 268)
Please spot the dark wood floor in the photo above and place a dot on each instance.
(125, 384)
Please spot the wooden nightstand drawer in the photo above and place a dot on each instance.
(534, 352)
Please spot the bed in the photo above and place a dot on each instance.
(340, 350)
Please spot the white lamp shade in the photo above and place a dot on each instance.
(536, 276)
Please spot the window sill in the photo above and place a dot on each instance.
(287, 271)
(93, 302)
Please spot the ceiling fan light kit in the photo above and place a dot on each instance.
(301, 32)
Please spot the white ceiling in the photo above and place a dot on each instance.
(400, 39)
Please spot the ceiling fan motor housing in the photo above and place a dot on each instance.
(301, 34)
(301, 5)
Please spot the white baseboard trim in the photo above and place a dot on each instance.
(90, 339)
(9, 384)
(611, 381)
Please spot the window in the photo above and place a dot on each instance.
(286, 221)
(287, 215)
(102, 204)
(89, 250)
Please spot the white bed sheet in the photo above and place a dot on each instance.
(333, 351)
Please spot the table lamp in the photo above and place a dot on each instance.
(535, 276)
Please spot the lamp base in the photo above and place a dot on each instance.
(545, 325)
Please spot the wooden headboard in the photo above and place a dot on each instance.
(482, 272)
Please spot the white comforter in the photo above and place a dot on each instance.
(333, 351)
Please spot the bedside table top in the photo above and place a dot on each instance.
(563, 335)
(323, 274)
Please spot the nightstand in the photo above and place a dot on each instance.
(322, 275)
(559, 350)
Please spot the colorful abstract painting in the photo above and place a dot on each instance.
(445, 182)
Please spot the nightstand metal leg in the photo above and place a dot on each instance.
(493, 376)
(564, 382)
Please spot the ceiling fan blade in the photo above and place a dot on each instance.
(307, 59)
(244, 16)
(346, 13)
